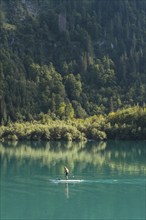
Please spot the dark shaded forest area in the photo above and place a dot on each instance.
(71, 59)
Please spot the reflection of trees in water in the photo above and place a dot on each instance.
(116, 155)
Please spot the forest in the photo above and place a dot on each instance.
(126, 124)
(72, 61)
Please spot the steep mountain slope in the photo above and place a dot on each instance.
(71, 58)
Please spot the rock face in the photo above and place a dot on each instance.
(32, 6)
(62, 22)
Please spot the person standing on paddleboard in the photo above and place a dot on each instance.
(66, 170)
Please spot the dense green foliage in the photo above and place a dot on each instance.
(69, 58)
(124, 124)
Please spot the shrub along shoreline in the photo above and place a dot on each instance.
(125, 124)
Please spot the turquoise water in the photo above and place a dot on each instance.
(114, 185)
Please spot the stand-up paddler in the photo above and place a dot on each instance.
(66, 170)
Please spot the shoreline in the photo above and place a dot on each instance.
(125, 124)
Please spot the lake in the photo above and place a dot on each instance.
(114, 185)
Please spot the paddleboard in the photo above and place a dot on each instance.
(67, 181)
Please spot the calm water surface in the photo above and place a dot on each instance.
(114, 185)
